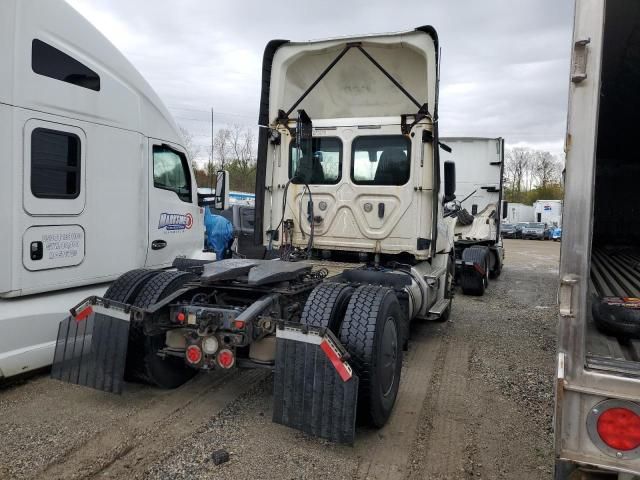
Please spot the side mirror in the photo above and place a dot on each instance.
(221, 200)
(505, 209)
(449, 181)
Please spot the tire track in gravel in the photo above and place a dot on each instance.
(141, 439)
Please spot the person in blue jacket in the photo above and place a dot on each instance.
(218, 234)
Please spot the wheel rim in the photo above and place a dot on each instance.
(389, 355)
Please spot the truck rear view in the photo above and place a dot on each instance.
(597, 421)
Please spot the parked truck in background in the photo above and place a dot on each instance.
(95, 179)
(597, 401)
(515, 213)
(475, 213)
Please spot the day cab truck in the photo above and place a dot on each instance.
(597, 414)
(475, 213)
(95, 179)
(349, 204)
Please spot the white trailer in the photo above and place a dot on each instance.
(517, 212)
(476, 211)
(597, 415)
(95, 179)
(549, 212)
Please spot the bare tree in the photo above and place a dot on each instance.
(546, 169)
(517, 165)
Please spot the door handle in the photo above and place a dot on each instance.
(158, 244)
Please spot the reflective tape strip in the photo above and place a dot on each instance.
(298, 336)
(110, 312)
(342, 368)
(84, 313)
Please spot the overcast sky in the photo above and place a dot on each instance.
(505, 63)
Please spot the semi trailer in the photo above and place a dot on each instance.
(475, 214)
(95, 178)
(350, 208)
(597, 401)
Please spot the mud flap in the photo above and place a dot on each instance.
(91, 347)
(314, 388)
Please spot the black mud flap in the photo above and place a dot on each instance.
(314, 389)
(91, 348)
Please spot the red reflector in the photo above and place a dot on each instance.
(337, 362)
(239, 324)
(226, 358)
(181, 317)
(84, 313)
(619, 428)
(194, 354)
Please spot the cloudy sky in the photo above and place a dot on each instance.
(505, 63)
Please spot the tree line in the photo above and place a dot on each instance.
(531, 175)
(234, 147)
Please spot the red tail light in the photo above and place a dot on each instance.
(226, 358)
(194, 354)
(181, 317)
(619, 428)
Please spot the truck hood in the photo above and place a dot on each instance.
(355, 87)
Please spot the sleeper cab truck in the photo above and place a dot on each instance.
(597, 413)
(350, 207)
(95, 180)
(475, 213)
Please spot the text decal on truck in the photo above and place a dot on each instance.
(175, 221)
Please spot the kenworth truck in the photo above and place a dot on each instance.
(349, 203)
(597, 413)
(94, 179)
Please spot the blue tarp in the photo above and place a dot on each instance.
(219, 232)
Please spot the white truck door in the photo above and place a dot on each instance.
(173, 210)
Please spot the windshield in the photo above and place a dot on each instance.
(536, 225)
(326, 166)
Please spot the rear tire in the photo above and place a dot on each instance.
(327, 305)
(126, 287)
(143, 363)
(497, 270)
(474, 283)
(371, 333)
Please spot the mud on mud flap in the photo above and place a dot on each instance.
(91, 348)
(314, 388)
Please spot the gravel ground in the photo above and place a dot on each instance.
(475, 402)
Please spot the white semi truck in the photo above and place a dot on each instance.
(350, 204)
(95, 180)
(475, 214)
(597, 415)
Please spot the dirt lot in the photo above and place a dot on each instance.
(475, 402)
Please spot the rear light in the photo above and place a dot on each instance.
(239, 324)
(181, 317)
(226, 358)
(620, 428)
(614, 427)
(194, 354)
(210, 345)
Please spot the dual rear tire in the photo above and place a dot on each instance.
(142, 288)
(369, 322)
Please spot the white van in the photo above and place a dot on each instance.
(94, 179)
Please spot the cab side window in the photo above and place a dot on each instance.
(171, 172)
(55, 164)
